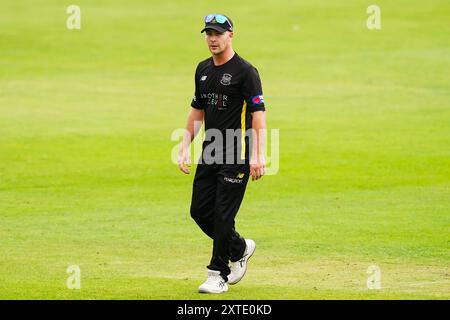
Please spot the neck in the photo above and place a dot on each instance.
(223, 57)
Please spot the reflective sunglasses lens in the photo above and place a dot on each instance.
(220, 18)
(209, 17)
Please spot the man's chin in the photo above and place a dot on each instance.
(215, 52)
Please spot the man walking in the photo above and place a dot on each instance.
(229, 99)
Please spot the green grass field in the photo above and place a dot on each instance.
(86, 176)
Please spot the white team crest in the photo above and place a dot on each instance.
(226, 79)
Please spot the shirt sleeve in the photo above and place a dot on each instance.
(252, 91)
(196, 100)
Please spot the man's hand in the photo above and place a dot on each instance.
(258, 168)
(184, 161)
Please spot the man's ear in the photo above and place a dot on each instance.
(231, 34)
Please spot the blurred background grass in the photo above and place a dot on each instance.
(85, 172)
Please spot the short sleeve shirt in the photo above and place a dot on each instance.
(228, 93)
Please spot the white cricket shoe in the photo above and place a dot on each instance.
(214, 284)
(239, 267)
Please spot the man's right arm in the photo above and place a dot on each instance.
(193, 125)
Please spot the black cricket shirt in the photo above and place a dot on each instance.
(228, 94)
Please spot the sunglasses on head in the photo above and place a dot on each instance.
(219, 18)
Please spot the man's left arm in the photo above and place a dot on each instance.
(252, 90)
(257, 160)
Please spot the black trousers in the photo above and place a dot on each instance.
(218, 191)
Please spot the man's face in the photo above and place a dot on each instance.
(217, 42)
